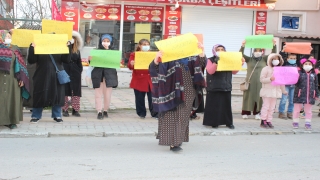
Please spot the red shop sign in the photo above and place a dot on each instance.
(173, 21)
(105, 12)
(70, 12)
(261, 22)
(143, 13)
(254, 4)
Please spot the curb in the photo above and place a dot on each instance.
(147, 134)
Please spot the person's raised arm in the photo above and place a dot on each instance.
(32, 58)
(246, 58)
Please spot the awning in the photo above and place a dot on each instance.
(303, 37)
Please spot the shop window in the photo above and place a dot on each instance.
(292, 21)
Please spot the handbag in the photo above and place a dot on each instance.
(245, 85)
(62, 75)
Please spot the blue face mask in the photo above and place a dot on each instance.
(145, 48)
(292, 61)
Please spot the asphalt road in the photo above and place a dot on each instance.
(292, 157)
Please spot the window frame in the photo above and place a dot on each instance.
(302, 21)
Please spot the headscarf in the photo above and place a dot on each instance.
(20, 69)
(260, 57)
(214, 49)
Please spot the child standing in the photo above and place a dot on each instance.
(306, 92)
(269, 92)
(290, 60)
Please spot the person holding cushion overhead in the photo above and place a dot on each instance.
(141, 83)
(290, 60)
(103, 80)
(306, 92)
(252, 101)
(47, 91)
(219, 86)
(269, 92)
(173, 91)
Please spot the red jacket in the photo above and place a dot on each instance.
(141, 79)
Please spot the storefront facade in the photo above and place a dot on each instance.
(297, 21)
(224, 22)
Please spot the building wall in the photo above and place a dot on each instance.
(312, 17)
(299, 5)
(312, 26)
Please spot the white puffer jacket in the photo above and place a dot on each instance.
(269, 90)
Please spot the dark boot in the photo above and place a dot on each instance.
(75, 113)
(100, 116)
(65, 113)
(264, 124)
(270, 125)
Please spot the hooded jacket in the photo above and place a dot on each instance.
(74, 69)
(306, 89)
(269, 90)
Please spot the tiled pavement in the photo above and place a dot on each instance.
(123, 121)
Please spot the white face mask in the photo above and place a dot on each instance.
(275, 62)
(307, 68)
(106, 44)
(7, 41)
(257, 54)
(218, 54)
(145, 48)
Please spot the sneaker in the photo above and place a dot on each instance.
(65, 113)
(282, 116)
(100, 116)
(105, 114)
(270, 125)
(175, 148)
(244, 116)
(58, 120)
(34, 120)
(264, 124)
(75, 113)
(295, 125)
(308, 126)
(257, 117)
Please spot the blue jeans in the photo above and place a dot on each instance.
(283, 102)
(37, 112)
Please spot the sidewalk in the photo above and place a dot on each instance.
(127, 123)
(123, 121)
(124, 99)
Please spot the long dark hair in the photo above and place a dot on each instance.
(141, 42)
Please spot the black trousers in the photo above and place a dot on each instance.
(140, 103)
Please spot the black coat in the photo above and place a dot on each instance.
(109, 74)
(220, 80)
(46, 89)
(306, 91)
(74, 70)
